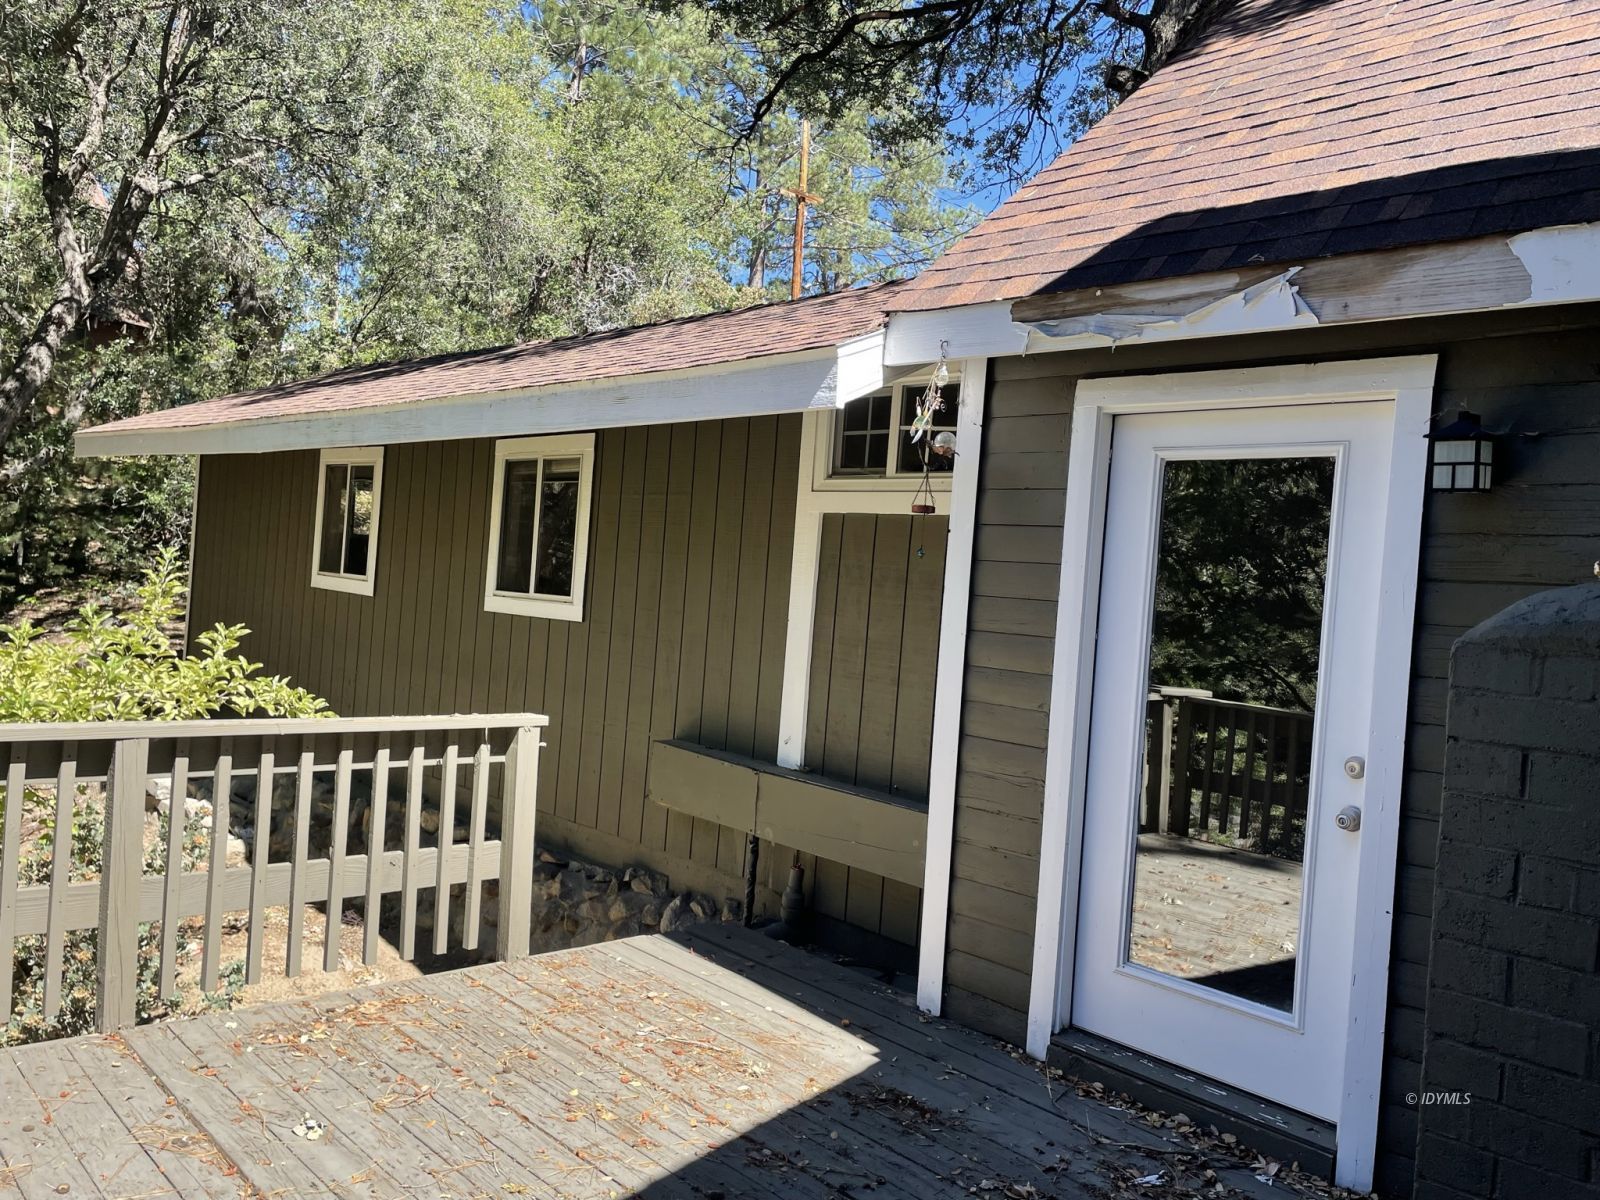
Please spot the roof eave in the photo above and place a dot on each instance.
(769, 385)
(1551, 265)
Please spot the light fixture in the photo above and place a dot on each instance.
(1461, 456)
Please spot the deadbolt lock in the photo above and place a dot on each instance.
(1355, 767)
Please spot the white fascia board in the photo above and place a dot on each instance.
(755, 387)
(971, 331)
(860, 368)
(1563, 262)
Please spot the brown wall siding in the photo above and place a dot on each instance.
(692, 535)
(1533, 372)
(687, 601)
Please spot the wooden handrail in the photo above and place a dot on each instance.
(386, 767)
(111, 731)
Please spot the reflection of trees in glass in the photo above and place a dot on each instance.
(1239, 580)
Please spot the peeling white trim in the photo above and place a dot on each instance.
(1269, 305)
(1563, 262)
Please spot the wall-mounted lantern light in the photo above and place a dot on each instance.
(1461, 456)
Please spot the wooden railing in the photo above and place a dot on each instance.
(1227, 771)
(376, 783)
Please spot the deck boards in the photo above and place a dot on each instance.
(711, 1063)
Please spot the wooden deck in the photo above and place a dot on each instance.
(716, 1064)
(1227, 918)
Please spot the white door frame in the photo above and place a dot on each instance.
(1408, 382)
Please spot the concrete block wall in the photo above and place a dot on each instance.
(1509, 1104)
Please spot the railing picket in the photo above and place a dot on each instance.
(60, 877)
(1180, 814)
(260, 854)
(337, 838)
(177, 819)
(1210, 765)
(519, 803)
(299, 884)
(121, 870)
(10, 861)
(409, 875)
(447, 827)
(1251, 731)
(377, 821)
(475, 870)
(221, 819)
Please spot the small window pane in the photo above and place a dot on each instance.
(856, 415)
(331, 550)
(877, 450)
(880, 412)
(853, 452)
(358, 536)
(519, 493)
(558, 527)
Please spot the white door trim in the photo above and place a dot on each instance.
(1408, 382)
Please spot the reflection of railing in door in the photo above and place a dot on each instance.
(1227, 772)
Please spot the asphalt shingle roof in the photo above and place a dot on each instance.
(1294, 129)
(741, 335)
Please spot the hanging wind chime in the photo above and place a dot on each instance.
(929, 444)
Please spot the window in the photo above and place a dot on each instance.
(349, 493)
(874, 433)
(539, 526)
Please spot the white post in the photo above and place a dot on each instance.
(948, 677)
(519, 805)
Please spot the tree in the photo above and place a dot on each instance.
(993, 76)
(122, 108)
(346, 181)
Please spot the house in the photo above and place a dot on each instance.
(1133, 723)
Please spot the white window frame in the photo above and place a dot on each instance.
(556, 608)
(348, 456)
(826, 456)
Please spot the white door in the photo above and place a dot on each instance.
(1233, 684)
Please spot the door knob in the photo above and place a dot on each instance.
(1348, 818)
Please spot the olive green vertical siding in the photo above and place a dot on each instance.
(875, 645)
(686, 612)
(687, 599)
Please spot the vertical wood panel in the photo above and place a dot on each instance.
(827, 603)
(647, 606)
(670, 618)
(603, 561)
(619, 648)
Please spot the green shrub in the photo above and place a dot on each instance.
(125, 668)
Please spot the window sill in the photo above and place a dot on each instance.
(344, 583)
(530, 606)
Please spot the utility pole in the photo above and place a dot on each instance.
(802, 197)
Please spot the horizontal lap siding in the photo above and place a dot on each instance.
(1532, 373)
(691, 536)
(1006, 695)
